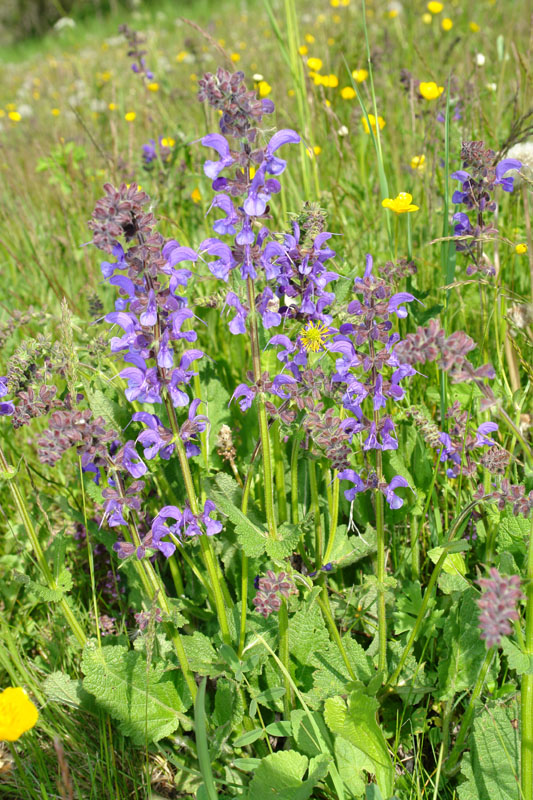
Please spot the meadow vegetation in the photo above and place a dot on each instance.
(266, 471)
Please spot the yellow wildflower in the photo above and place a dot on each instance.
(222, 42)
(332, 81)
(427, 18)
(235, 57)
(447, 24)
(17, 714)
(251, 171)
(112, 106)
(321, 18)
(314, 64)
(14, 116)
(401, 203)
(331, 41)
(328, 103)
(381, 122)
(309, 38)
(264, 88)
(430, 90)
(168, 141)
(36, 95)
(105, 76)
(314, 151)
(360, 75)
(336, 18)
(153, 87)
(348, 93)
(392, 13)
(474, 27)
(195, 195)
(314, 336)
(418, 162)
(291, 92)
(56, 112)
(181, 56)
(521, 249)
(435, 7)
(193, 76)
(130, 116)
(334, 3)
(345, 3)
(303, 50)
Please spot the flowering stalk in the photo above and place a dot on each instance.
(526, 753)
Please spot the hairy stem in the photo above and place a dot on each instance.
(526, 753)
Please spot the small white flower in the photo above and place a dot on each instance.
(524, 153)
(480, 59)
(343, 131)
(492, 87)
(64, 22)
(257, 77)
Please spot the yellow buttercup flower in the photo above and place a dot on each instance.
(181, 56)
(168, 141)
(447, 24)
(17, 714)
(381, 122)
(291, 92)
(336, 18)
(427, 18)
(392, 13)
(315, 151)
(314, 336)
(235, 57)
(153, 87)
(331, 81)
(56, 112)
(130, 116)
(521, 249)
(435, 7)
(401, 203)
(195, 195)
(335, 3)
(418, 163)
(264, 88)
(303, 50)
(112, 106)
(14, 116)
(430, 90)
(331, 41)
(360, 75)
(309, 38)
(314, 64)
(348, 93)
(474, 27)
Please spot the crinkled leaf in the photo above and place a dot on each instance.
(252, 537)
(63, 689)
(492, 766)
(146, 702)
(517, 660)
(280, 548)
(280, 775)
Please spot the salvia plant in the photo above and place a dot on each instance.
(272, 567)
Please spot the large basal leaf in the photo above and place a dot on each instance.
(144, 701)
(356, 722)
(491, 767)
(280, 775)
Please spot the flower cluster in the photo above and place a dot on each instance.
(162, 150)
(510, 494)
(479, 177)
(267, 599)
(498, 606)
(135, 41)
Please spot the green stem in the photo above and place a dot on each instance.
(382, 611)
(526, 753)
(294, 479)
(263, 420)
(415, 550)
(22, 510)
(469, 713)
(205, 544)
(323, 601)
(279, 470)
(283, 622)
(333, 517)
(316, 513)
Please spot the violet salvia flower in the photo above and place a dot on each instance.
(479, 178)
(135, 40)
(498, 606)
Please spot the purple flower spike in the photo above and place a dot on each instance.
(132, 461)
(502, 168)
(246, 394)
(275, 165)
